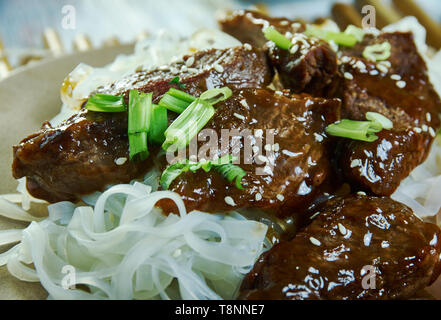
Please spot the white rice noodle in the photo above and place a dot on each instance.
(123, 247)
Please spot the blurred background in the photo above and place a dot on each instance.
(31, 30)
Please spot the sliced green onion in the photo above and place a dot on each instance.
(138, 146)
(341, 38)
(106, 103)
(356, 32)
(360, 130)
(385, 122)
(176, 100)
(214, 96)
(177, 81)
(377, 52)
(158, 125)
(356, 130)
(187, 125)
(223, 165)
(279, 39)
(139, 118)
(232, 173)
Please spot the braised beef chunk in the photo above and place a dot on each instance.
(399, 89)
(357, 247)
(78, 157)
(246, 26)
(295, 164)
(237, 67)
(310, 66)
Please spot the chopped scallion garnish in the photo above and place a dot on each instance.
(106, 103)
(176, 100)
(360, 130)
(214, 96)
(356, 32)
(341, 38)
(377, 52)
(177, 81)
(187, 125)
(279, 39)
(139, 118)
(158, 125)
(222, 165)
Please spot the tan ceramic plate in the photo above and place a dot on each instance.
(27, 99)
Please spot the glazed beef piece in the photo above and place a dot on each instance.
(399, 89)
(357, 247)
(238, 67)
(295, 163)
(78, 157)
(247, 25)
(308, 67)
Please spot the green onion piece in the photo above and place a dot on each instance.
(158, 125)
(377, 52)
(138, 146)
(176, 100)
(187, 125)
(214, 96)
(341, 38)
(360, 130)
(356, 130)
(106, 103)
(177, 81)
(376, 117)
(279, 39)
(223, 165)
(232, 173)
(139, 118)
(356, 32)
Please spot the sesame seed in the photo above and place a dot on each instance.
(268, 147)
(258, 133)
(432, 132)
(417, 130)
(230, 201)
(189, 62)
(318, 137)
(342, 229)
(425, 127)
(284, 23)
(276, 147)
(360, 65)
(164, 68)
(218, 68)
(345, 59)
(294, 49)
(247, 46)
(314, 241)
(401, 84)
(120, 161)
(279, 93)
(193, 70)
(255, 149)
(280, 197)
(355, 163)
(244, 103)
(361, 193)
(348, 76)
(239, 116)
(382, 68)
(374, 72)
(262, 158)
(385, 63)
(184, 69)
(428, 117)
(258, 197)
(395, 77)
